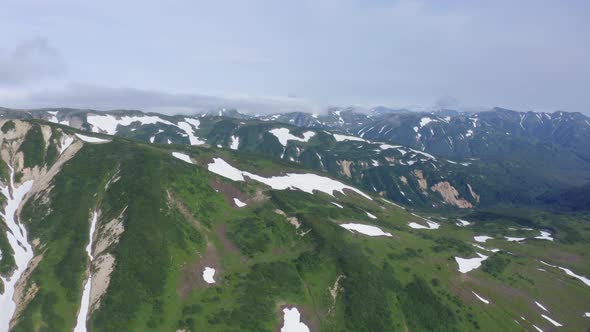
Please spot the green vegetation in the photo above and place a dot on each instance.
(423, 310)
(8, 126)
(33, 147)
(263, 230)
(175, 224)
(496, 264)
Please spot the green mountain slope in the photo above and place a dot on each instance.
(164, 214)
(479, 159)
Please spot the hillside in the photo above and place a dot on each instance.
(108, 233)
(495, 157)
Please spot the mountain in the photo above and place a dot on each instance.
(108, 233)
(493, 160)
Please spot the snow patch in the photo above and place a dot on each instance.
(292, 321)
(17, 239)
(221, 167)
(239, 203)
(91, 139)
(425, 121)
(556, 324)
(85, 302)
(571, 273)
(514, 239)
(109, 123)
(235, 143)
(306, 182)
(182, 156)
(365, 229)
(66, 141)
(338, 205)
(431, 224)
(480, 298)
(427, 155)
(188, 129)
(544, 236)
(340, 138)
(208, 274)
(469, 264)
(389, 146)
(462, 223)
(53, 118)
(485, 249)
(482, 238)
(284, 135)
(372, 216)
(541, 306)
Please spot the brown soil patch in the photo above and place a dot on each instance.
(461, 287)
(192, 273)
(228, 191)
(225, 242)
(566, 257)
(179, 204)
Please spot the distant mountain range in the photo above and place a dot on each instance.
(435, 159)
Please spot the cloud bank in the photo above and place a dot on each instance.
(526, 55)
(106, 98)
(30, 61)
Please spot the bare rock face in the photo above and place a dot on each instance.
(450, 195)
(103, 267)
(403, 179)
(11, 140)
(421, 180)
(473, 193)
(345, 165)
(108, 235)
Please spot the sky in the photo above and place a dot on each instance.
(181, 56)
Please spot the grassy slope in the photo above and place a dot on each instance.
(408, 282)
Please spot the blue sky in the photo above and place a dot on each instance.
(283, 55)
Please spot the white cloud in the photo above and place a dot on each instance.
(106, 98)
(30, 61)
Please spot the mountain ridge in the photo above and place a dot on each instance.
(481, 141)
(165, 214)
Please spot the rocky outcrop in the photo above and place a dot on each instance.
(421, 180)
(345, 165)
(12, 136)
(450, 195)
(473, 193)
(107, 236)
